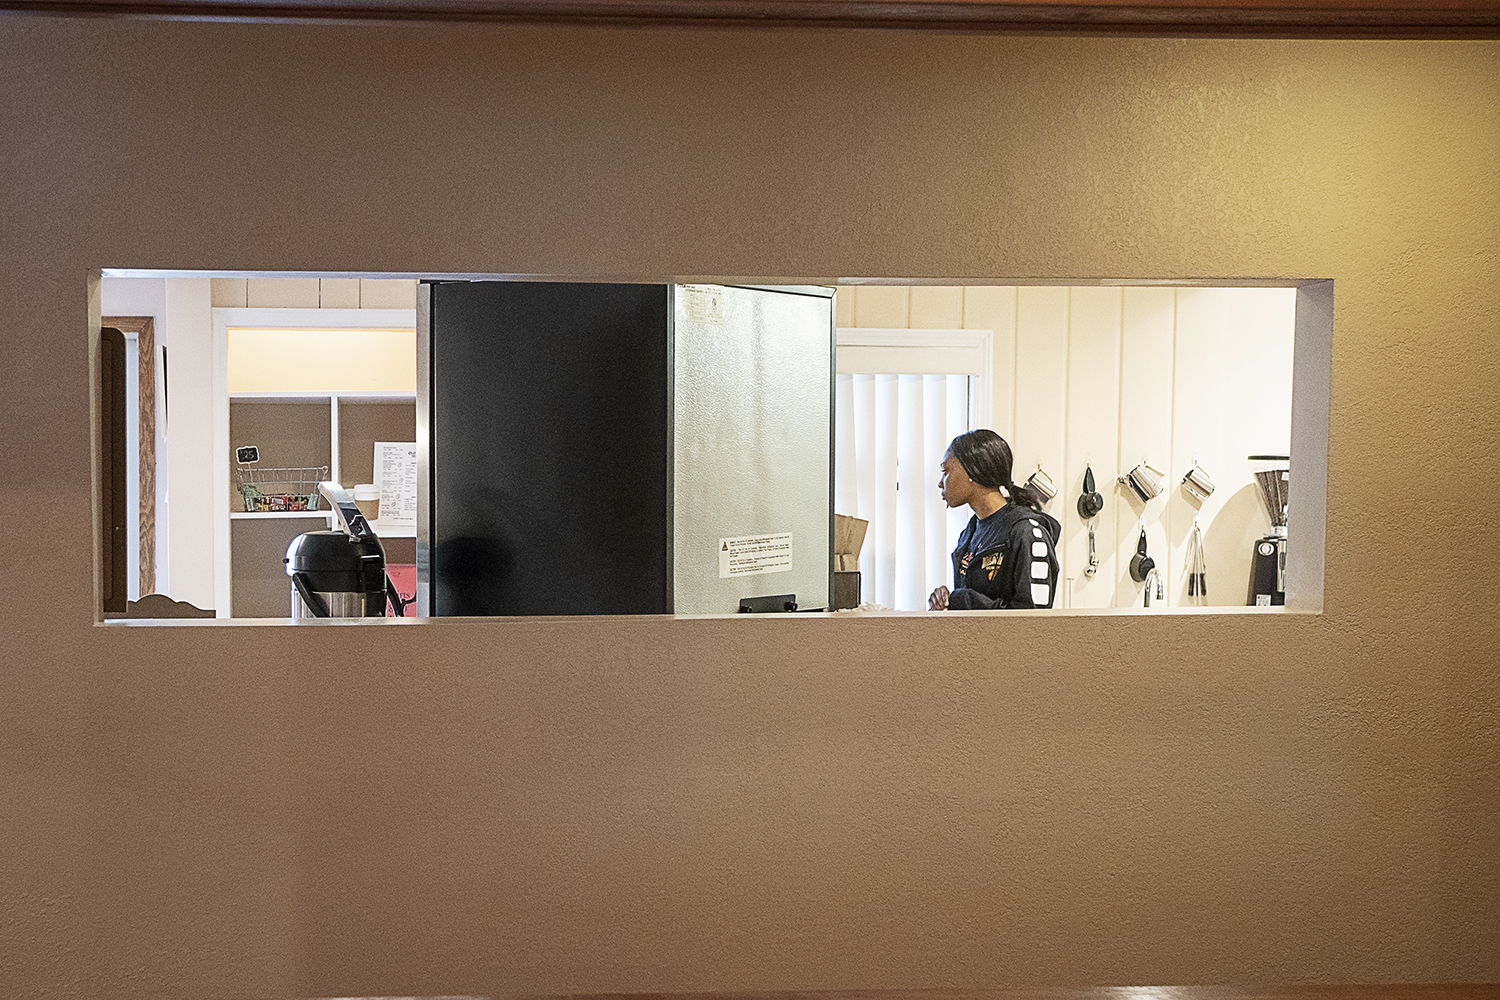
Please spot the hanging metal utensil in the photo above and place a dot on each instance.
(1144, 481)
(1042, 484)
(1197, 564)
(1197, 483)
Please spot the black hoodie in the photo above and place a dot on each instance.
(1006, 560)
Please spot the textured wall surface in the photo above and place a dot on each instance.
(658, 804)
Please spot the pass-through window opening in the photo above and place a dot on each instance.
(1310, 305)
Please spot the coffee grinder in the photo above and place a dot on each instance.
(1268, 561)
(340, 573)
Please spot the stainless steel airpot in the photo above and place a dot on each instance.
(340, 573)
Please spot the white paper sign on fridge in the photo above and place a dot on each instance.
(752, 555)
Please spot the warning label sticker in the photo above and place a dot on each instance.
(751, 555)
(703, 304)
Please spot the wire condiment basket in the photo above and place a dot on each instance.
(281, 489)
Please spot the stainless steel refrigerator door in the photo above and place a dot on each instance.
(752, 460)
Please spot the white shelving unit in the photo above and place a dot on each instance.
(242, 515)
(333, 400)
(337, 405)
(386, 531)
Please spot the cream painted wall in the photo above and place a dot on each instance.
(189, 393)
(479, 807)
(1207, 374)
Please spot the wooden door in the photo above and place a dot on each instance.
(112, 469)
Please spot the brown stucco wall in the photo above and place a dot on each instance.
(658, 804)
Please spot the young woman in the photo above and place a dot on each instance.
(1007, 555)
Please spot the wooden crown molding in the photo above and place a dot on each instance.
(1265, 18)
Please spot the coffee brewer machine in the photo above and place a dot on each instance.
(340, 573)
(1268, 561)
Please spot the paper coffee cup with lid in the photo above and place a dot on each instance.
(367, 499)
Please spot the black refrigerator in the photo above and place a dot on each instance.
(600, 448)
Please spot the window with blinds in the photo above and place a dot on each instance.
(891, 432)
(902, 395)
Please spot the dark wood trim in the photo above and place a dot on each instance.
(1268, 18)
(145, 330)
(112, 469)
(146, 349)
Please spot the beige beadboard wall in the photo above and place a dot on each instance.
(1103, 378)
(521, 807)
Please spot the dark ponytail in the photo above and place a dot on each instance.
(1026, 497)
(988, 461)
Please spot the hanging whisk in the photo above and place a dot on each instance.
(1197, 565)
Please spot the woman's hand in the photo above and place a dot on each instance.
(939, 600)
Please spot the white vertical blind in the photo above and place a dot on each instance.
(883, 399)
(892, 431)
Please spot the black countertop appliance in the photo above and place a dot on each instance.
(341, 573)
(1268, 560)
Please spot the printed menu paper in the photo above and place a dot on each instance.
(396, 475)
